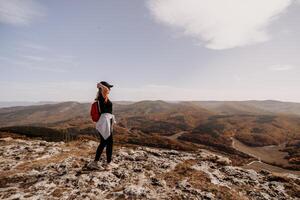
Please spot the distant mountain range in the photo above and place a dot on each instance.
(251, 107)
(5, 104)
(223, 107)
(209, 123)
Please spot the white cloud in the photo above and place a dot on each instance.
(19, 12)
(37, 67)
(46, 69)
(48, 91)
(33, 58)
(220, 24)
(281, 67)
(4, 58)
(34, 46)
(56, 64)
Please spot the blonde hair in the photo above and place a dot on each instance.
(97, 95)
(104, 93)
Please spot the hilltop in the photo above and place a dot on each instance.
(56, 170)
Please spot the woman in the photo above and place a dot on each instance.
(104, 125)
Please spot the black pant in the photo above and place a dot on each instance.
(108, 143)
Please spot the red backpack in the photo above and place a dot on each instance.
(95, 111)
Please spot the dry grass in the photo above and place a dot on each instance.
(198, 180)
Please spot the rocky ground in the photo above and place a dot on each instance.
(33, 169)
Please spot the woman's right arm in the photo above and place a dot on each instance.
(104, 90)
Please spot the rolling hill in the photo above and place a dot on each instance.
(208, 123)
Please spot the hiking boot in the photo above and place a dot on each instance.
(94, 166)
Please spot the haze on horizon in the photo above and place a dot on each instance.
(150, 49)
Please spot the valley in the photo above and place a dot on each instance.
(270, 158)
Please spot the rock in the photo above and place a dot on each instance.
(194, 193)
(153, 152)
(265, 172)
(173, 152)
(43, 143)
(277, 178)
(119, 173)
(137, 169)
(165, 165)
(134, 191)
(223, 160)
(131, 152)
(140, 158)
(156, 182)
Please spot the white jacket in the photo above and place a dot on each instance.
(103, 124)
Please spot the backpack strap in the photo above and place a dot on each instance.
(98, 102)
(99, 108)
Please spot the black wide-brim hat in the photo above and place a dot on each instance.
(106, 84)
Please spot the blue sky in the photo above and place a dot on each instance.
(151, 49)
